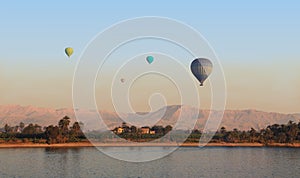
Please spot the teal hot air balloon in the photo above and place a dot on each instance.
(150, 59)
(201, 68)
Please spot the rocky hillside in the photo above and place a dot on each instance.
(241, 119)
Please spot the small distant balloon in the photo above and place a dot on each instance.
(122, 80)
(201, 68)
(150, 59)
(69, 51)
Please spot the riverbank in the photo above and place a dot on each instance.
(87, 144)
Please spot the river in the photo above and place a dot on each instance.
(184, 162)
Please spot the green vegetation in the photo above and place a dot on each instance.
(143, 134)
(36, 134)
(285, 133)
(64, 133)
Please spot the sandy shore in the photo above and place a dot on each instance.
(87, 144)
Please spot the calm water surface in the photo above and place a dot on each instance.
(185, 162)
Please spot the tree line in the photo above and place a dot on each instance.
(63, 133)
(35, 133)
(284, 133)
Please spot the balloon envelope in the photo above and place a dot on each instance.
(150, 59)
(201, 68)
(69, 51)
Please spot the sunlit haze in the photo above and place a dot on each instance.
(259, 51)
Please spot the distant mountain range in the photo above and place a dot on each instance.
(240, 119)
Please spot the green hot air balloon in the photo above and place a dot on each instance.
(69, 51)
(201, 68)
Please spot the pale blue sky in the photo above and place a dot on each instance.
(262, 27)
(247, 36)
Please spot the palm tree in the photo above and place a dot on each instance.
(252, 137)
(21, 125)
(63, 125)
(7, 128)
(268, 135)
(292, 132)
(168, 128)
(52, 134)
(223, 130)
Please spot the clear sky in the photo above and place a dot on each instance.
(257, 43)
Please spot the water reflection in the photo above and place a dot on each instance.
(185, 162)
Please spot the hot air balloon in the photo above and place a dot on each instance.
(150, 59)
(122, 80)
(69, 51)
(201, 68)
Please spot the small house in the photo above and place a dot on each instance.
(152, 132)
(120, 130)
(145, 130)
